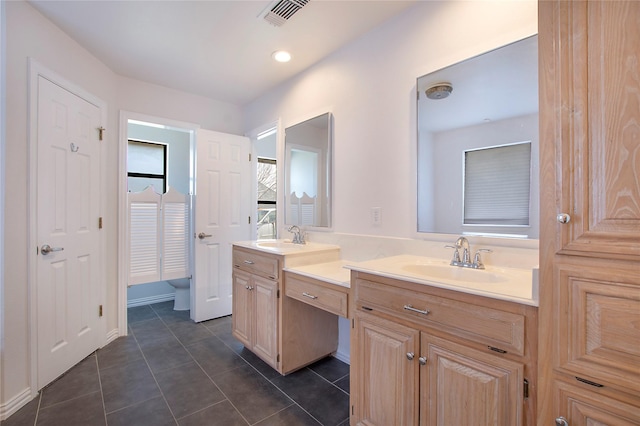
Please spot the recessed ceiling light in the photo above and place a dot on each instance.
(281, 56)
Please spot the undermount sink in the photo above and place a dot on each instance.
(279, 244)
(454, 273)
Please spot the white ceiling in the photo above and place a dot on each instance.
(215, 48)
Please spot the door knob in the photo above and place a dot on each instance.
(563, 218)
(561, 421)
(46, 249)
(422, 360)
(202, 235)
(410, 356)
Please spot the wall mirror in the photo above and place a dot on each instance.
(308, 172)
(478, 145)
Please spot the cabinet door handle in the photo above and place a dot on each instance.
(249, 262)
(561, 421)
(310, 296)
(410, 356)
(563, 218)
(422, 360)
(412, 309)
(248, 287)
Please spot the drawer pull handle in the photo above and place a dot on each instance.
(249, 262)
(310, 296)
(412, 309)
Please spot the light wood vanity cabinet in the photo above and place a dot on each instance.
(589, 265)
(428, 356)
(255, 303)
(284, 332)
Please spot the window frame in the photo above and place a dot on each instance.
(162, 176)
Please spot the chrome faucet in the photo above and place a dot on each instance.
(465, 262)
(298, 237)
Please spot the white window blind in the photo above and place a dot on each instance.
(497, 185)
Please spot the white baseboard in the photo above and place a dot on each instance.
(344, 357)
(150, 300)
(15, 403)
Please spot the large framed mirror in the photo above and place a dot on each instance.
(478, 155)
(307, 195)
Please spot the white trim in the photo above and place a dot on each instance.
(2, 180)
(112, 335)
(143, 301)
(17, 402)
(344, 357)
(123, 219)
(36, 70)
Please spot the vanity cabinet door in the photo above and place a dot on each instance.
(265, 299)
(385, 373)
(463, 386)
(242, 317)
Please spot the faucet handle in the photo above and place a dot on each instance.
(456, 253)
(477, 261)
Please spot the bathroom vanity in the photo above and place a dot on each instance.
(289, 320)
(433, 352)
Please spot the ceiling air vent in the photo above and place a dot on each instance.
(281, 11)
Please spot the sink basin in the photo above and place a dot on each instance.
(279, 244)
(454, 273)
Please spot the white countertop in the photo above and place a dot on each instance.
(511, 284)
(331, 272)
(286, 247)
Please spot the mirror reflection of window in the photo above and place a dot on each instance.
(304, 172)
(497, 185)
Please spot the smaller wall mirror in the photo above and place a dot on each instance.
(307, 197)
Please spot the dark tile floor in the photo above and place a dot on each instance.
(172, 371)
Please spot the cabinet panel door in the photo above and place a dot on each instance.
(599, 324)
(242, 308)
(596, 127)
(463, 386)
(587, 409)
(386, 379)
(265, 343)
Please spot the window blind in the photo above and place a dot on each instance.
(497, 185)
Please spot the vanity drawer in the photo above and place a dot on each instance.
(256, 263)
(493, 327)
(309, 291)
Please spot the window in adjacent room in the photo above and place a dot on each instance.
(497, 183)
(146, 165)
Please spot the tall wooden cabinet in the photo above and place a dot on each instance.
(590, 213)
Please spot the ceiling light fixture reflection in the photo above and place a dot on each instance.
(281, 56)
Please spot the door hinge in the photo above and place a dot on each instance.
(249, 156)
(353, 323)
(525, 390)
(278, 294)
(100, 132)
(352, 410)
(100, 310)
(249, 220)
(100, 223)
(278, 358)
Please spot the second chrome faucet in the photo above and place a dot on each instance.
(298, 236)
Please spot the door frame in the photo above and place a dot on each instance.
(123, 216)
(35, 71)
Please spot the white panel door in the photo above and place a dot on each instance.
(222, 210)
(68, 278)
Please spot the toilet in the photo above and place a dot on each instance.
(183, 295)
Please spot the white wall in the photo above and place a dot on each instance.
(29, 34)
(369, 86)
(2, 157)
